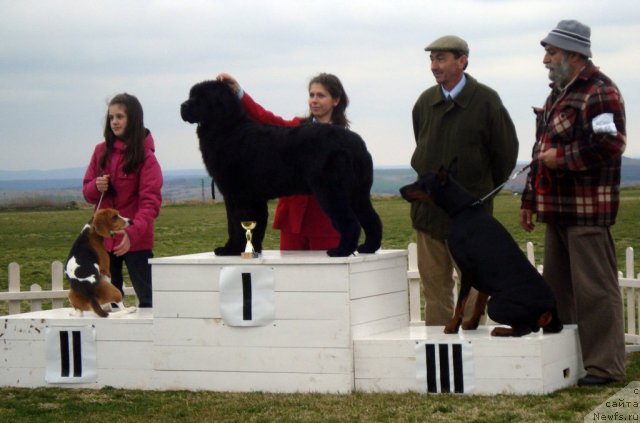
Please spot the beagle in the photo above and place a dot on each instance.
(87, 267)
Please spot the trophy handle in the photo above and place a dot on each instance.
(249, 251)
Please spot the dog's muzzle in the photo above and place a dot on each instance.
(408, 193)
(412, 193)
(185, 112)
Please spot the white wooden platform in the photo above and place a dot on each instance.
(124, 348)
(321, 304)
(338, 325)
(533, 364)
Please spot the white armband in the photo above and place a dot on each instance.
(603, 124)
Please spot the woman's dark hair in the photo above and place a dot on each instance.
(332, 84)
(134, 134)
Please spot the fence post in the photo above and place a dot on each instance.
(414, 284)
(631, 294)
(14, 286)
(56, 283)
(629, 268)
(36, 305)
(530, 254)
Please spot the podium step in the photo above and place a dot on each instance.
(532, 364)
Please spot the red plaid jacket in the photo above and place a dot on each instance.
(586, 123)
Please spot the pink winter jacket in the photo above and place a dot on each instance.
(137, 195)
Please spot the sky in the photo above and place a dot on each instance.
(62, 60)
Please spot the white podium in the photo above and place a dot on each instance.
(318, 324)
(321, 305)
(532, 364)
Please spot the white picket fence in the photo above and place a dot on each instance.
(629, 287)
(36, 296)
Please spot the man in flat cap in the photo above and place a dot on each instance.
(573, 186)
(458, 118)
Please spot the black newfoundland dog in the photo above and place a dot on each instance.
(252, 163)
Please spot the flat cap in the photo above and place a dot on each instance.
(449, 43)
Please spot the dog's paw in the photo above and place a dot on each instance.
(124, 311)
(226, 251)
(501, 331)
(453, 326)
(471, 324)
(448, 329)
(76, 313)
(367, 249)
(516, 331)
(339, 252)
(553, 328)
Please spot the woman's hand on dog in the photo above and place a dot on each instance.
(124, 246)
(102, 183)
(230, 81)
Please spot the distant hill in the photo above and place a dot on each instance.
(35, 175)
(387, 181)
(65, 185)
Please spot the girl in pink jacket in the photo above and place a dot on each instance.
(124, 174)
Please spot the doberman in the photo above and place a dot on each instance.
(489, 260)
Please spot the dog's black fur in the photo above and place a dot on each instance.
(489, 260)
(252, 163)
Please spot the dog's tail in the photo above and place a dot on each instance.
(97, 308)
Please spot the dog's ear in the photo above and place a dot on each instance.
(100, 224)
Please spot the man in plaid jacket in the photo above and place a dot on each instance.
(573, 187)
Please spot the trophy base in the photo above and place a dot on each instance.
(252, 254)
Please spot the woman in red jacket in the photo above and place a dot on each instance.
(302, 223)
(124, 174)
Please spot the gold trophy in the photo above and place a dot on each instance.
(249, 251)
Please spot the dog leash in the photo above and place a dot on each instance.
(499, 187)
(542, 184)
(100, 201)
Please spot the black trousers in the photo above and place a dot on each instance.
(139, 271)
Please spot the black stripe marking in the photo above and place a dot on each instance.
(246, 297)
(458, 379)
(64, 353)
(445, 384)
(432, 386)
(77, 354)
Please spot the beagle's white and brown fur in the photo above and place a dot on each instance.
(87, 267)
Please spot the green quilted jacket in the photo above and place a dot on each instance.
(476, 129)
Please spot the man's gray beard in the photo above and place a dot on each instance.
(560, 74)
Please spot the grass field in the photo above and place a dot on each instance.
(36, 238)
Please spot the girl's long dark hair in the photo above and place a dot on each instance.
(134, 135)
(332, 84)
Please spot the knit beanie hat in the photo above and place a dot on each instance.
(570, 35)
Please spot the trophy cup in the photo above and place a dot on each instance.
(249, 252)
